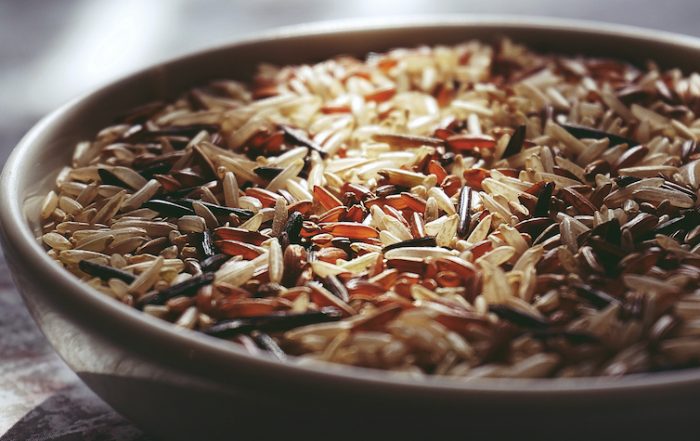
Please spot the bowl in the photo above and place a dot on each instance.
(179, 384)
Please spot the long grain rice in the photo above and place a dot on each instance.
(472, 210)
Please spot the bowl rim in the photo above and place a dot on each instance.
(19, 235)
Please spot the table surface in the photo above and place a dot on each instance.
(83, 44)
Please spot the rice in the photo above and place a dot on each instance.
(470, 211)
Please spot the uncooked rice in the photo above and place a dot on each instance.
(469, 211)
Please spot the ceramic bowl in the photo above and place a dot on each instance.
(179, 384)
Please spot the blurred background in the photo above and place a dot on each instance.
(54, 50)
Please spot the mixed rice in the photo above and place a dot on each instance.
(476, 210)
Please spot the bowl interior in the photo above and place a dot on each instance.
(31, 170)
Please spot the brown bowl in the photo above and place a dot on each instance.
(179, 384)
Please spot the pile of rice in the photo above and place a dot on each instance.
(476, 210)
